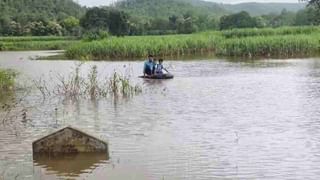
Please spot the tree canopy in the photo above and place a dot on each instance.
(238, 20)
(36, 17)
(107, 19)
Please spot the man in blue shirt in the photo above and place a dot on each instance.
(149, 66)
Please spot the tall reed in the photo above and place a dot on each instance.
(248, 32)
(139, 46)
(283, 42)
(271, 46)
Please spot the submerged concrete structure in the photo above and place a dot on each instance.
(69, 140)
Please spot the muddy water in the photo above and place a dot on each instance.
(217, 119)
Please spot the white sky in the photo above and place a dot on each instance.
(107, 2)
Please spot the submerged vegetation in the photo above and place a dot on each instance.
(7, 78)
(279, 42)
(75, 86)
(7, 83)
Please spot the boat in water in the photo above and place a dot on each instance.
(158, 76)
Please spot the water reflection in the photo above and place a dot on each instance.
(68, 165)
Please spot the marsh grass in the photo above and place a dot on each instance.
(7, 80)
(267, 42)
(120, 85)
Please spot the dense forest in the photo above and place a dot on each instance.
(145, 17)
(36, 17)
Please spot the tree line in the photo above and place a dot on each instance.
(64, 17)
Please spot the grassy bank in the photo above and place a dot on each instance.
(281, 42)
(36, 43)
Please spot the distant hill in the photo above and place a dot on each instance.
(256, 9)
(27, 10)
(24, 11)
(166, 8)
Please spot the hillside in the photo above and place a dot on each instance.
(256, 9)
(166, 8)
(24, 11)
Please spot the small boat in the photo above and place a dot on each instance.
(158, 76)
(69, 140)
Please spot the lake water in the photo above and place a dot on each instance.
(218, 119)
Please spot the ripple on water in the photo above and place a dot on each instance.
(217, 119)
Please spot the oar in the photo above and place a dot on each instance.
(166, 70)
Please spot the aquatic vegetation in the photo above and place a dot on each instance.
(267, 42)
(121, 86)
(75, 86)
(7, 80)
(7, 91)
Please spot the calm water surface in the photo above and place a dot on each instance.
(217, 119)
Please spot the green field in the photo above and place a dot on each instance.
(36, 43)
(282, 42)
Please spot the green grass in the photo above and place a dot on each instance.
(35, 38)
(36, 43)
(284, 46)
(280, 42)
(249, 32)
(267, 42)
(140, 46)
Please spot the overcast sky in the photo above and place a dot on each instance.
(106, 2)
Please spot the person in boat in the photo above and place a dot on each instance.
(159, 68)
(149, 66)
